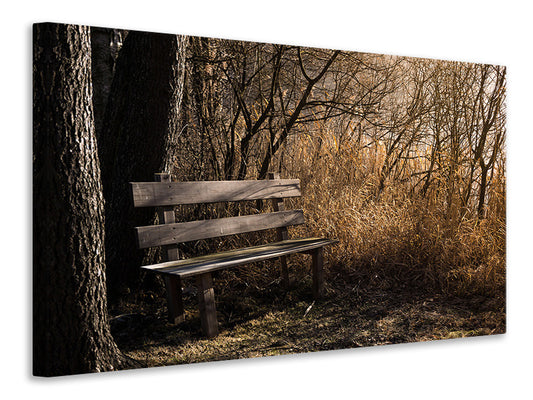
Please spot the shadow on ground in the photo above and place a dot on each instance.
(267, 320)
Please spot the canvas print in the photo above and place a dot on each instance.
(199, 199)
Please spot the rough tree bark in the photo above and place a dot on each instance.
(70, 327)
(139, 133)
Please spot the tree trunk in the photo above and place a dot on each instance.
(105, 45)
(205, 103)
(139, 133)
(70, 327)
(482, 192)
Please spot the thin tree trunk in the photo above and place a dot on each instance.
(482, 192)
(70, 327)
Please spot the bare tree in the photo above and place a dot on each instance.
(467, 130)
(489, 129)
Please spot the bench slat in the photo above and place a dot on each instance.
(160, 235)
(217, 261)
(154, 194)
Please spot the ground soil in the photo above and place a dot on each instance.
(265, 320)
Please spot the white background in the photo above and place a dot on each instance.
(479, 31)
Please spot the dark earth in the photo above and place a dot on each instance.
(264, 320)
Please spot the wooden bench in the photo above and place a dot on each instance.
(165, 195)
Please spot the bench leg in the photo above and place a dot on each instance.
(318, 273)
(174, 299)
(284, 272)
(206, 303)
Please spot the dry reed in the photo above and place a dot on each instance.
(398, 237)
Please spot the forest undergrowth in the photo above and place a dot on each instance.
(395, 236)
(407, 268)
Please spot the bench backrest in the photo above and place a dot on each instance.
(168, 194)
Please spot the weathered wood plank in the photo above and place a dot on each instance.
(152, 194)
(227, 259)
(170, 252)
(206, 305)
(159, 235)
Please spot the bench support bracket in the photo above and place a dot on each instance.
(170, 252)
(318, 273)
(282, 233)
(206, 304)
(174, 299)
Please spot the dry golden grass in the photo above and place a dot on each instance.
(398, 237)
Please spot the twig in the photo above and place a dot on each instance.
(309, 308)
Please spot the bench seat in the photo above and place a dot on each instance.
(217, 261)
(169, 233)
